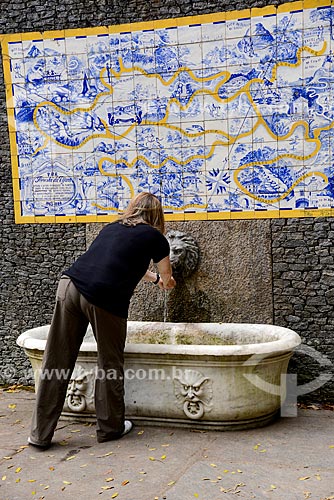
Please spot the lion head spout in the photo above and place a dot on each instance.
(184, 252)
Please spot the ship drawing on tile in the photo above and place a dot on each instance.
(231, 117)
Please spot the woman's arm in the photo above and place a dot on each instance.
(167, 281)
(165, 271)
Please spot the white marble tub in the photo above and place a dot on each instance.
(203, 375)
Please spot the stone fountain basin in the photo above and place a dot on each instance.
(220, 376)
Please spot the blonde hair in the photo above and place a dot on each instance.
(144, 208)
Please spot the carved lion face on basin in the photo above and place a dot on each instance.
(193, 393)
(184, 252)
(80, 392)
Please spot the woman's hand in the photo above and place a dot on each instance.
(166, 282)
(169, 285)
(152, 277)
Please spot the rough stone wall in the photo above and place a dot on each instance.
(303, 291)
(32, 256)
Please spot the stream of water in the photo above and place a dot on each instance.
(165, 305)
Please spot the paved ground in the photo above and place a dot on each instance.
(290, 459)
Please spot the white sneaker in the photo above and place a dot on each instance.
(127, 427)
(38, 445)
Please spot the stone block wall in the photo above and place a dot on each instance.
(278, 271)
(303, 291)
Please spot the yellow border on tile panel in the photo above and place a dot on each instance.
(269, 10)
(12, 132)
(313, 4)
(261, 214)
(175, 217)
(288, 7)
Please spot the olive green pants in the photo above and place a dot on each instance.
(71, 316)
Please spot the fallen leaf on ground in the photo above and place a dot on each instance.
(124, 483)
(14, 388)
(71, 457)
(163, 457)
(109, 479)
(318, 477)
(114, 495)
(213, 465)
(171, 483)
(304, 478)
(234, 489)
(18, 469)
(67, 482)
(12, 406)
(105, 454)
(4, 478)
(140, 433)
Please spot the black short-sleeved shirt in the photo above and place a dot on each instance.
(107, 274)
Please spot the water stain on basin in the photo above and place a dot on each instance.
(159, 337)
